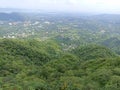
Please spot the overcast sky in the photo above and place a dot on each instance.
(104, 6)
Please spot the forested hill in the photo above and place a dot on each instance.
(44, 65)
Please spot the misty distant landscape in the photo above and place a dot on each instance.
(55, 49)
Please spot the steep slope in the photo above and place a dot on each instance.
(69, 73)
(21, 49)
(39, 65)
(113, 44)
(20, 61)
(93, 52)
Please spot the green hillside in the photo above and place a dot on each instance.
(113, 44)
(88, 52)
(43, 65)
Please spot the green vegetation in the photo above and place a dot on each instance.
(92, 52)
(69, 52)
(43, 65)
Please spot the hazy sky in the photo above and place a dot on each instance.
(104, 6)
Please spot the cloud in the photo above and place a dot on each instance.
(73, 1)
(65, 5)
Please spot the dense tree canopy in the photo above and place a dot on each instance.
(40, 65)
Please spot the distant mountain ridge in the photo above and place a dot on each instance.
(11, 17)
